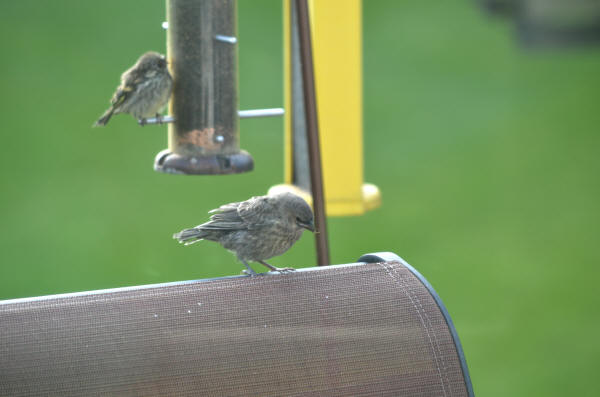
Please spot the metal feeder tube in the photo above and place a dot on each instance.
(202, 55)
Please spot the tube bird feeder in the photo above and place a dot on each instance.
(202, 56)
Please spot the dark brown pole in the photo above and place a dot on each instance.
(312, 124)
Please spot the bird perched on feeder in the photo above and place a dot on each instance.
(144, 90)
(256, 229)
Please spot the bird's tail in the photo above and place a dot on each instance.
(105, 117)
(189, 236)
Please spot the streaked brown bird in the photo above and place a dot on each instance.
(144, 91)
(256, 229)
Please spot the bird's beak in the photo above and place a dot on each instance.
(308, 226)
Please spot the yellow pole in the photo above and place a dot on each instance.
(337, 50)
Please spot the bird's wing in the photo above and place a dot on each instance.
(120, 96)
(254, 211)
(225, 218)
(245, 215)
(130, 80)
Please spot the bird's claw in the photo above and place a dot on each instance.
(283, 269)
(249, 273)
(275, 269)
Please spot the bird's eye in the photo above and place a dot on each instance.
(298, 219)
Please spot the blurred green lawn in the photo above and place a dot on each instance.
(487, 157)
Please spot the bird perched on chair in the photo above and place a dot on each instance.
(256, 229)
(144, 90)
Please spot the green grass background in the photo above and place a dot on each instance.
(487, 157)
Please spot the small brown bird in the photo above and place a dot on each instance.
(256, 229)
(144, 90)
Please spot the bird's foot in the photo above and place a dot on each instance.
(283, 269)
(277, 269)
(248, 270)
(159, 118)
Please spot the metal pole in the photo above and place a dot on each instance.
(202, 55)
(299, 141)
(243, 114)
(312, 123)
